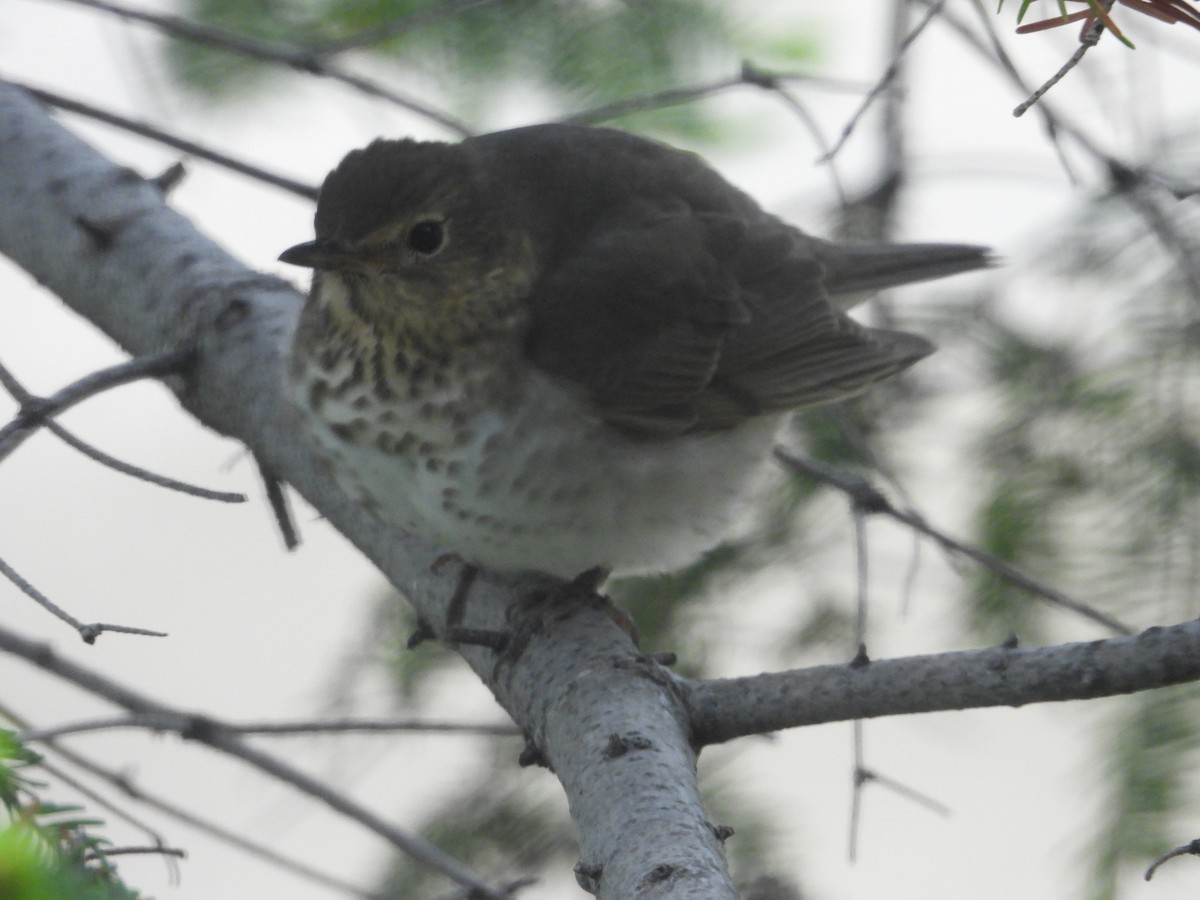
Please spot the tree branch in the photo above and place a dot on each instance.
(123, 783)
(213, 733)
(999, 676)
(866, 498)
(164, 137)
(35, 411)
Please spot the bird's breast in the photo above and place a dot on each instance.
(513, 470)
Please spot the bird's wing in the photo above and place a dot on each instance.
(682, 322)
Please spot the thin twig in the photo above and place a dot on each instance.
(809, 121)
(164, 137)
(885, 79)
(861, 556)
(96, 855)
(23, 396)
(867, 497)
(658, 100)
(301, 59)
(1132, 186)
(87, 726)
(904, 790)
(303, 728)
(35, 411)
(1192, 848)
(123, 783)
(359, 726)
(1053, 121)
(277, 499)
(1088, 42)
(856, 791)
(103, 803)
(89, 633)
(215, 734)
(118, 465)
(749, 74)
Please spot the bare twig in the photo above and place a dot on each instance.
(885, 79)
(35, 411)
(1134, 187)
(117, 465)
(103, 803)
(1192, 848)
(1089, 41)
(861, 558)
(658, 100)
(277, 498)
(856, 794)
(22, 396)
(303, 728)
(1053, 121)
(904, 790)
(89, 633)
(408, 726)
(123, 783)
(108, 723)
(749, 74)
(135, 851)
(866, 497)
(163, 137)
(775, 84)
(301, 59)
(215, 734)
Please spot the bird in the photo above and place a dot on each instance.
(564, 348)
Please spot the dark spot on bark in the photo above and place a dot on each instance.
(100, 235)
(659, 874)
(317, 392)
(620, 744)
(232, 314)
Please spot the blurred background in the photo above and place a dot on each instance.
(1058, 427)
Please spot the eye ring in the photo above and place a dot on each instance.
(426, 237)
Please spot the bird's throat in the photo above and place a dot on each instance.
(358, 358)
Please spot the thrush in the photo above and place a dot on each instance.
(558, 348)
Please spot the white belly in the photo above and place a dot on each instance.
(546, 487)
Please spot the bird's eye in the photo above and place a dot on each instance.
(426, 236)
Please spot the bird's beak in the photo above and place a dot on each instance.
(322, 253)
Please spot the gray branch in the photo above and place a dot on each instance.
(1000, 676)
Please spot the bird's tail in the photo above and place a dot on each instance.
(860, 268)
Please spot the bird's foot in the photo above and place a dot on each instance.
(529, 615)
(526, 617)
(454, 632)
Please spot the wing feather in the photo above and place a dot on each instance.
(682, 322)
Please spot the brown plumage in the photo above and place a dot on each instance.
(589, 300)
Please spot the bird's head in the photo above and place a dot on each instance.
(412, 231)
